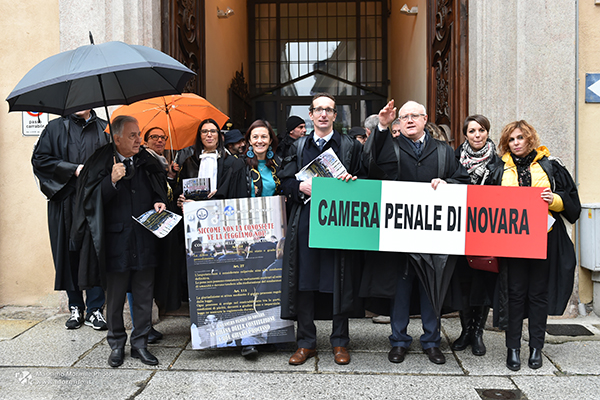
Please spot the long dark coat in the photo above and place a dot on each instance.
(389, 158)
(560, 251)
(56, 175)
(481, 284)
(93, 225)
(345, 263)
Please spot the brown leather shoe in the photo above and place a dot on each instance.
(301, 355)
(341, 355)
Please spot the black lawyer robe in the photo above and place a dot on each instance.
(389, 158)
(231, 176)
(345, 263)
(88, 233)
(56, 175)
(560, 249)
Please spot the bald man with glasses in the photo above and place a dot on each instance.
(413, 156)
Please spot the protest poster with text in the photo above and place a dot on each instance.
(413, 217)
(234, 257)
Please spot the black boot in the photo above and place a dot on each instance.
(513, 359)
(535, 358)
(480, 317)
(466, 322)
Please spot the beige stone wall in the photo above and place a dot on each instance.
(407, 49)
(226, 49)
(589, 115)
(30, 34)
(522, 66)
(130, 21)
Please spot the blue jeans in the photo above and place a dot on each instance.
(94, 299)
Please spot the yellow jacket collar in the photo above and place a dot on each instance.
(541, 152)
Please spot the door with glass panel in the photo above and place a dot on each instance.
(298, 49)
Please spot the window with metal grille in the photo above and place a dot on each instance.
(300, 48)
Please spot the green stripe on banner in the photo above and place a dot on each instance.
(345, 215)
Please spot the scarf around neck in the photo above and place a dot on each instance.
(475, 162)
(523, 165)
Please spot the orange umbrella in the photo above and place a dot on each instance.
(178, 115)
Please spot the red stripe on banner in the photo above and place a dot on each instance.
(506, 222)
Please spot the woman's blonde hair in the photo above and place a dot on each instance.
(529, 134)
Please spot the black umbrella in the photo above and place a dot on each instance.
(434, 272)
(98, 75)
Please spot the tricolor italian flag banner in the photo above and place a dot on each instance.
(412, 217)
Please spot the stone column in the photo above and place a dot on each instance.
(130, 21)
(522, 66)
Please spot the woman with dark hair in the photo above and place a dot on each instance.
(478, 155)
(210, 160)
(262, 164)
(533, 288)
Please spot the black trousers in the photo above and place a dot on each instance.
(142, 288)
(306, 335)
(527, 296)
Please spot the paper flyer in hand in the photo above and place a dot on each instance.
(196, 188)
(158, 223)
(325, 165)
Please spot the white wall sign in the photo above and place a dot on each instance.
(34, 123)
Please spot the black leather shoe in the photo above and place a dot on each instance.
(154, 336)
(145, 356)
(249, 351)
(116, 357)
(397, 354)
(535, 358)
(435, 355)
(513, 359)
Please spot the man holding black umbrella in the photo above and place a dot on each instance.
(58, 157)
(417, 157)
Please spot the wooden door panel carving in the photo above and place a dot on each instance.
(447, 86)
(183, 38)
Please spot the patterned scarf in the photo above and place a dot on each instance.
(476, 162)
(523, 167)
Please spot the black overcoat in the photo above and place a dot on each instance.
(389, 158)
(560, 250)
(103, 234)
(56, 176)
(481, 284)
(345, 263)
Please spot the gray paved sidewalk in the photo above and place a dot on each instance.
(40, 359)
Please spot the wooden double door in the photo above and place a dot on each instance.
(183, 37)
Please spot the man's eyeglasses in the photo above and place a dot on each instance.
(414, 117)
(158, 137)
(205, 131)
(319, 110)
